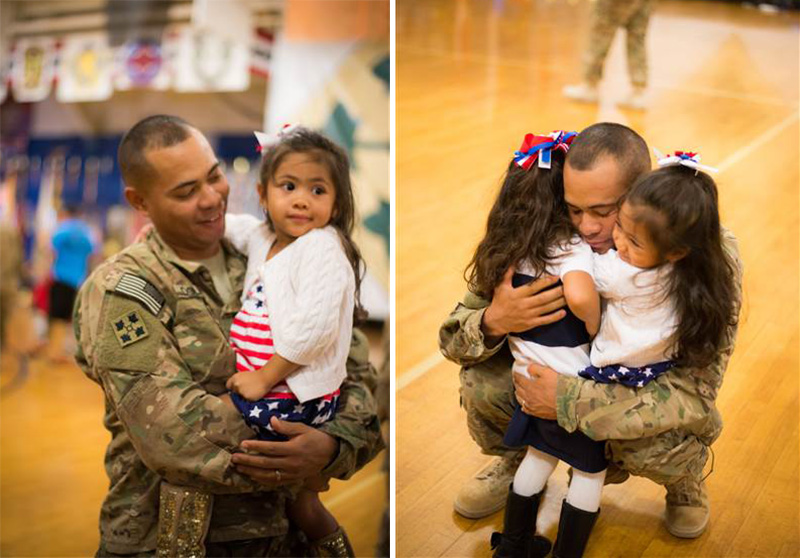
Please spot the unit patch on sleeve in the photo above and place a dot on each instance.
(129, 328)
(142, 291)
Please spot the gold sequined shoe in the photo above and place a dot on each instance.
(183, 518)
(336, 545)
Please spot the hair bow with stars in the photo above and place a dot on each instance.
(541, 148)
(265, 141)
(689, 159)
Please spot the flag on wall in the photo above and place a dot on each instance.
(85, 69)
(33, 69)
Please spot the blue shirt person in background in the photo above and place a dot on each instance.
(72, 247)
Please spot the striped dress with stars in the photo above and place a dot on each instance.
(251, 339)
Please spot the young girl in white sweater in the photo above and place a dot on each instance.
(292, 335)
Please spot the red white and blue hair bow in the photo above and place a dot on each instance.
(541, 148)
(686, 158)
(265, 141)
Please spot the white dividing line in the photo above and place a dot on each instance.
(743, 152)
(426, 365)
(418, 370)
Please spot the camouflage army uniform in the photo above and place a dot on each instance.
(607, 16)
(153, 332)
(661, 431)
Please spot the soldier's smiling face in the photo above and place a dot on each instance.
(187, 198)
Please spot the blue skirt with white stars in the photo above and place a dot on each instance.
(284, 406)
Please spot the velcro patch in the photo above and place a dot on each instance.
(140, 290)
(129, 328)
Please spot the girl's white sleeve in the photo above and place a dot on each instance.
(239, 228)
(322, 288)
(576, 256)
(606, 272)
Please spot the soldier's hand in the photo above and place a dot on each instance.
(307, 452)
(537, 394)
(250, 385)
(522, 308)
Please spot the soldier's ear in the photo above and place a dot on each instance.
(135, 198)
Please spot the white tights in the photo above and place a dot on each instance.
(536, 468)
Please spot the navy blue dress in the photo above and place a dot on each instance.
(574, 448)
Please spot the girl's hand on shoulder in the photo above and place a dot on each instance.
(250, 385)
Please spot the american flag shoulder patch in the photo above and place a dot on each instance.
(142, 291)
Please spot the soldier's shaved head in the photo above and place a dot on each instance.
(153, 132)
(621, 143)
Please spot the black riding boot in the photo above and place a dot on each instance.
(519, 525)
(574, 529)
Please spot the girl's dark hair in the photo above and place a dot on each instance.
(679, 208)
(528, 217)
(304, 140)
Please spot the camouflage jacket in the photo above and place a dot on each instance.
(153, 332)
(683, 398)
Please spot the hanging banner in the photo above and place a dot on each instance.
(85, 69)
(5, 74)
(261, 53)
(141, 63)
(206, 62)
(33, 69)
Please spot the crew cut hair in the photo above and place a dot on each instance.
(154, 132)
(615, 140)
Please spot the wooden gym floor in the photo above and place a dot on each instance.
(472, 78)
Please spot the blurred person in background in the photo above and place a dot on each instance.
(607, 17)
(72, 246)
(11, 270)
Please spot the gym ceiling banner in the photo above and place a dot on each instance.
(85, 67)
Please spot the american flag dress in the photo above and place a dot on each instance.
(251, 339)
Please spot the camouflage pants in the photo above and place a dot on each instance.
(607, 16)
(487, 396)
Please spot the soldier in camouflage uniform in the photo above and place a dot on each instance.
(607, 17)
(662, 431)
(152, 328)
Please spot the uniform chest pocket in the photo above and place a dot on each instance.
(203, 344)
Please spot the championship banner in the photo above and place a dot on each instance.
(85, 69)
(205, 62)
(33, 69)
(142, 64)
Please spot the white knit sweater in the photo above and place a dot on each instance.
(310, 291)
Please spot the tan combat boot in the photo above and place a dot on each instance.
(486, 492)
(582, 92)
(688, 508)
(335, 545)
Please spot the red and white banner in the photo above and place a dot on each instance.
(85, 69)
